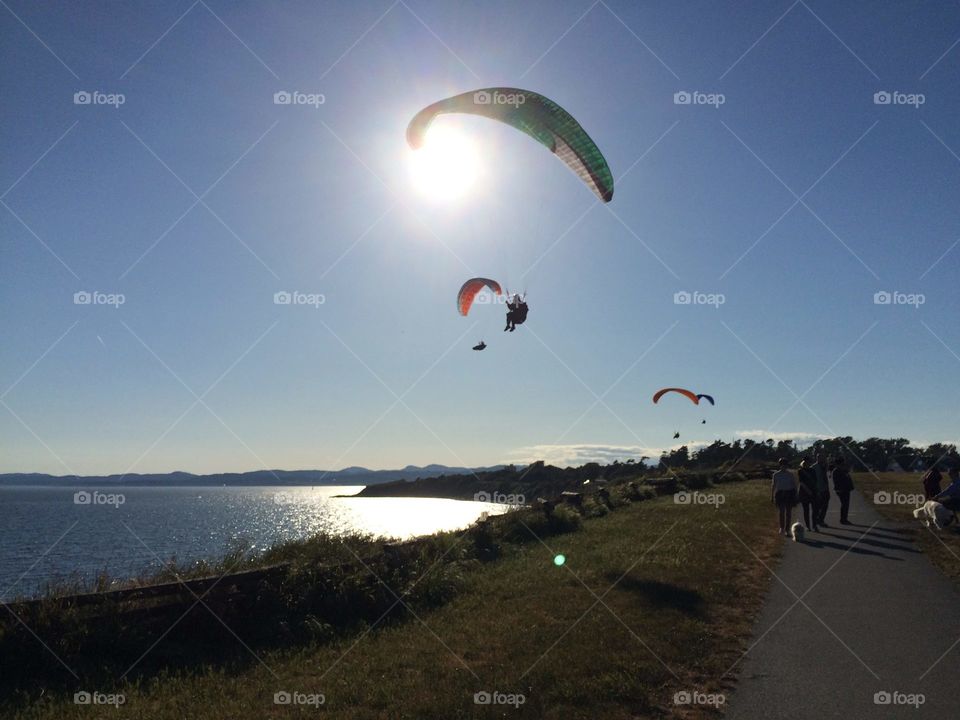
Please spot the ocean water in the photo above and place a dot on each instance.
(51, 534)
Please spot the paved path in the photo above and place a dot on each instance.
(875, 616)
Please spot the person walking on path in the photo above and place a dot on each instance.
(931, 483)
(842, 486)
(783, 491)
(807, 490)
(823, 489)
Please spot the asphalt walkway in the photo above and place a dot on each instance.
(857, 616)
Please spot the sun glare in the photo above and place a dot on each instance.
(446, 167)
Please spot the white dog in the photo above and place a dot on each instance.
(796, 532)
(934, 513)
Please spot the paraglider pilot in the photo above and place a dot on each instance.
(516, 312)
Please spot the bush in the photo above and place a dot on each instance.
(485, 543)
(638, 493)
(618, 497)
(564, 519)
(695, 482)
(522, 526)
(594, 507)
(728, 477)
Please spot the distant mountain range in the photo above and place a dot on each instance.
(347, 476)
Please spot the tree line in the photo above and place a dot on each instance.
(876, 454)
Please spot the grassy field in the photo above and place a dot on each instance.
(655, 598)
(903, 493)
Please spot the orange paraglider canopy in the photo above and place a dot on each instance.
(686, 393)
(470, 289)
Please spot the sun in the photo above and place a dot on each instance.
(447, 167)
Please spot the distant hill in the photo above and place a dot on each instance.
(535, 480)
(347, 476)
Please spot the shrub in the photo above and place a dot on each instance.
(695, 482)
(485, 543)
(564, 519)
(638, 493)
(594, 507)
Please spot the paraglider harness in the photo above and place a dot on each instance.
(516, 312)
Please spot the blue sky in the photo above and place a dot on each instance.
(796, 199)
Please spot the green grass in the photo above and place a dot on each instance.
(941, 546)
(679, 593)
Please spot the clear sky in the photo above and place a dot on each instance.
(198, 198)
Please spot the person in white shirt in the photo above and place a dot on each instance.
(783, 493)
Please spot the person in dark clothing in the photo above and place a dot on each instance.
(843, 486)
(517, 310)
(823, 489)
(512, 305)
(950, 498)
(808, 495)
(520, 314)
(931, 483)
